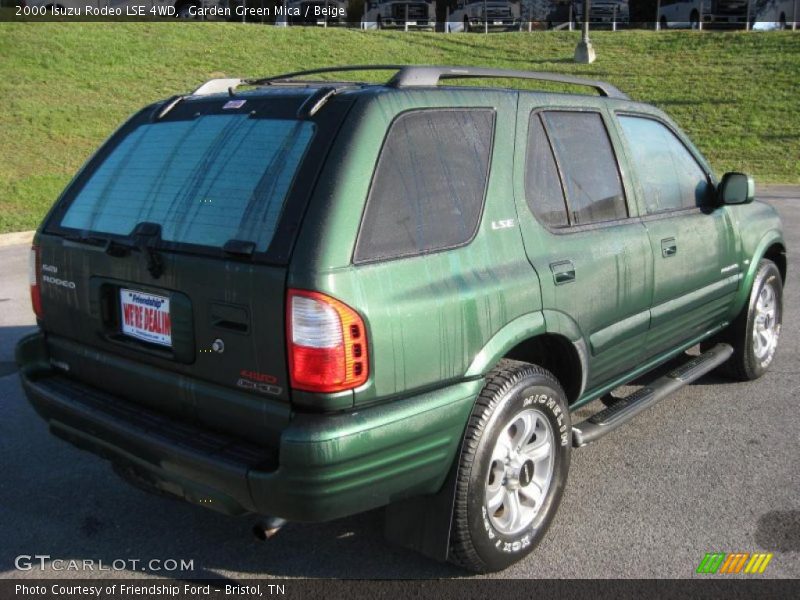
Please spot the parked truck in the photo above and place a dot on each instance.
(398, 14)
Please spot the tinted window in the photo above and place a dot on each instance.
(589, 167)
(543, 190)
(205, 180)
(669, 174)
(428, 187)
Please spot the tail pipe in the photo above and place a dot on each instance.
(268, 528)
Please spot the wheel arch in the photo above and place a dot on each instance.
(549, 339)
(558, 355)
(771, 247)
(777, 254)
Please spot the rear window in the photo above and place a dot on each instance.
(587, 161)
(205, 181)
(428, 189)
(543, 190)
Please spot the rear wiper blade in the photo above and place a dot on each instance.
(110, 246)
(239, 247)
(94, 240)
(119, 247)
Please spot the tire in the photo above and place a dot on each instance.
(663, 24)
(694, 20)
(755, 332)
(782, 22)
(467, 28)
(497, 520)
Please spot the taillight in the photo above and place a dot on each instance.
(35, 280)
(327, 343)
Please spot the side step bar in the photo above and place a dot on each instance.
(626, 408)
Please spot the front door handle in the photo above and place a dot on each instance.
(669, 247)
(563, 272)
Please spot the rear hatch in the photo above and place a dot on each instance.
(163, 265)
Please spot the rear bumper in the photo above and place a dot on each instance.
(326, 466)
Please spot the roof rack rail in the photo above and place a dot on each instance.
(429, 76)
(286, 77)
(412, 76)
(217, 86)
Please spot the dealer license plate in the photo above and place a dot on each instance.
(145, 317)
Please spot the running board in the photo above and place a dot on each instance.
(626, 408)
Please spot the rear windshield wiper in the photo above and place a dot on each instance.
(239, 247)
(110, 246)
(82, 238)
(145, 238)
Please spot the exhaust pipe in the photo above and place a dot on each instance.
(268, 528)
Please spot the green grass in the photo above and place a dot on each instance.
(65, 87)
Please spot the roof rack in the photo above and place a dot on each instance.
(217, 86)
(407, 76)
(430, 76)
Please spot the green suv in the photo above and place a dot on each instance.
(305, 299)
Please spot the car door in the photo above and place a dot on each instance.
(695, 268)
(593, 260)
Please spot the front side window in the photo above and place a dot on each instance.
(205, 180)
(670, 177)
(589, 167)
(429, 184)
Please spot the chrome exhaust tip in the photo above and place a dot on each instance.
(268, 528)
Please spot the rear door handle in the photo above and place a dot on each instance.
(669, 247)
(563, 272)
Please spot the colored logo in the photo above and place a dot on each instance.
(735, 562)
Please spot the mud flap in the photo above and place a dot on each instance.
(422, 523)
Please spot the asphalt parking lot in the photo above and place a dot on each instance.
(715, 467)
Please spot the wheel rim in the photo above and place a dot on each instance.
(766, 326)
(520, 472)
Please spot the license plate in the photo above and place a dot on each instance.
(145, 317)
(412, 23)
(498, 22)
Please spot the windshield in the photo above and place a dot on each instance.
(205, 181)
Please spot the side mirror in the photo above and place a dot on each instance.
(736, 188)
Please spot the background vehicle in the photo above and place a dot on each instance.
(481, 16)
(394, 14)
(234, 312)
(688, 13)
(774, 14)
(550, 13)
(604, 11)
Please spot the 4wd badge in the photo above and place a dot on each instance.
(259, 382)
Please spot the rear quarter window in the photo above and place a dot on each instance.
(429, 184)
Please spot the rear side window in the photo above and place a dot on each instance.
(670, 176)
(205, 180)
(543, 190)
(429, 184)
(586, 157)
